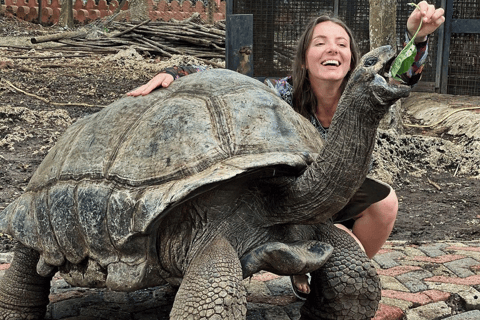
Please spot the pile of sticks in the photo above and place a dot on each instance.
(158, 38)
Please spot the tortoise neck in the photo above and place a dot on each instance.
(341, 167)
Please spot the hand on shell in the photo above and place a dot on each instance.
(162, 79)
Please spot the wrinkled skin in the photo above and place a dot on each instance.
(202, 228)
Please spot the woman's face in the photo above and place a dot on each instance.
(328, 56)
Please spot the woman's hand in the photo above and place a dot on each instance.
(432, 19)
(162, 79)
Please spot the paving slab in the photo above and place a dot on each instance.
(433, 249)
(471, 297)
(428, 281)
(430, 311)
(471, 315)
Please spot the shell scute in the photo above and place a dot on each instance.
(128, 243)
(92, 219)
(49, 247)
(65, 224)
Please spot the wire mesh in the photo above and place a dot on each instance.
(464, 60)
(464, 64)
(277, 25)
(466, 9)
(356, 16)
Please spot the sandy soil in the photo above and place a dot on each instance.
(435, 171)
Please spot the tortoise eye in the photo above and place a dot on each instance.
(370, 61)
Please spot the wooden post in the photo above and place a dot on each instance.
(210, 11)
(239, 43)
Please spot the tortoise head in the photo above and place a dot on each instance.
(371, 84)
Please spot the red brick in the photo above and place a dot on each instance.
(199, 7)
(162, 6)
(395, 271)
(78, 4)
(187, 6)
(382, 251)
(469, 281)
(22, 12)
(90, 5)
(477, 249)
(175, 6)
(93, 14)
(46, 14)
(437, 295)
(420, 298)
(386, 312)
(265, 276)
(33, 14)
(102, 5)
(441, 259)
(66, 295)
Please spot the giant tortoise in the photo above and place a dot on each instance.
(201, 185)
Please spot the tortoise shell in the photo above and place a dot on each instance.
(112, 177)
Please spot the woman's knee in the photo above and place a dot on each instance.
(384, 211)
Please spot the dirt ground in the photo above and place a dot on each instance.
(435, 171)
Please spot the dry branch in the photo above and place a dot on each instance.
(58, 36)
(159, 38)
(50, 102)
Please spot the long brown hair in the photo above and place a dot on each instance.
(304, 100)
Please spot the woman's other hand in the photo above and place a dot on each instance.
(162, 79)
(431, 19)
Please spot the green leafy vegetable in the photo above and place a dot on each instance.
(406, 57)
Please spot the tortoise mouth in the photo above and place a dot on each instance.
(386, 68)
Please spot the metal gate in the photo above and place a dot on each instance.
(453, 64)
(460, 52)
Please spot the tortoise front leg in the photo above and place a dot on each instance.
(23, 292)
(211, 288)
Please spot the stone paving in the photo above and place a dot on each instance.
(427, 281)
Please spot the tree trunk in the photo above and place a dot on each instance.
(66, 16)
(138, 10)
(383, 17)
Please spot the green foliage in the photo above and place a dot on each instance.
(406, 57)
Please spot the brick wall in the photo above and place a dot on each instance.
(85, 12)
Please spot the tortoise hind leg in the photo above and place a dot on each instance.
(211, 287)
(23, 292)
(347, 286)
